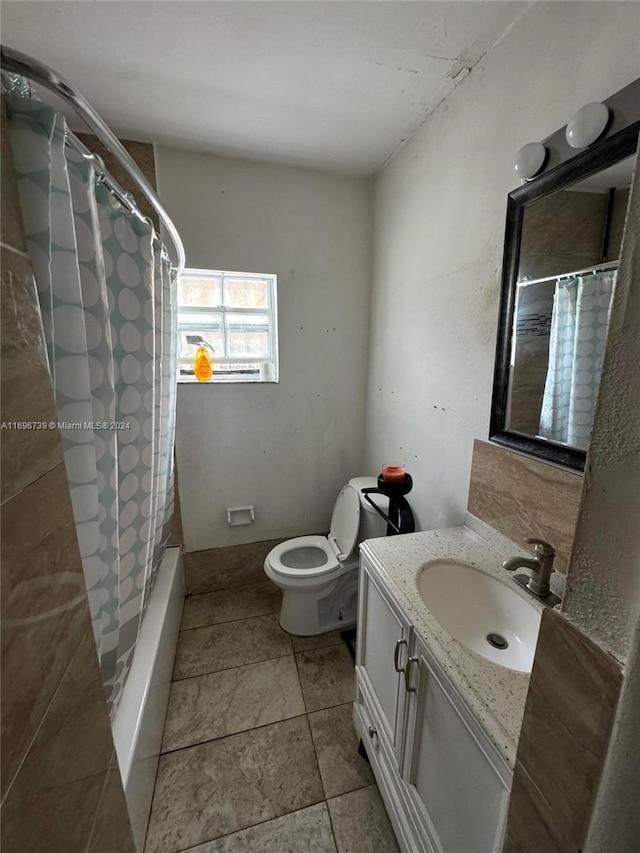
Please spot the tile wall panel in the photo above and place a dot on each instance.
(11, 229)
(25, 387)
(521, 496)
(57, 790)
(222, 568)
(53, 801)
(563, 742)
(142, 153)
(44, 608)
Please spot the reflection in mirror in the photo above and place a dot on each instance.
(569, 248)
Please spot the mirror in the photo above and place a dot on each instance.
(562, 244)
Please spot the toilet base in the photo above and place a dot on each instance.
(308, 613)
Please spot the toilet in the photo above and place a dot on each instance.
(319, 574)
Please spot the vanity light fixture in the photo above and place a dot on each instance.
(529, 160)
(587, 125)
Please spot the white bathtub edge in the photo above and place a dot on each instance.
(139, 720)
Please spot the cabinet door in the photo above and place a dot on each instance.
(383, 638)
(460, 795)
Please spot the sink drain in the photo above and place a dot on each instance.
(497, 641)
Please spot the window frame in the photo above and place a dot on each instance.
(267, 374)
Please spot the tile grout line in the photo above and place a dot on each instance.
(230, 622)
(224, 590)
(228, 588)
(251, 826)
(13, 249)
(161, 753)
(155, 778)
(315, 752)
(278, 817)
(215, 625)
(285, 814)
(305, 713)
(7, 789)
(37, 479)
(333, 832)
(252, 662)
(241, 666)
(324, 790)
(99, 803)
(292, 653)
(233, 734)
(265, 582)
(304, 698)
(230, 668)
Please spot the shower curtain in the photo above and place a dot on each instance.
(578, 332)
(107, 301)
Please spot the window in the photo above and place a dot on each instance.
(233, 315)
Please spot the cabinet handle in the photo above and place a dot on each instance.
(407, 679)
(396, 656)
(372, 732)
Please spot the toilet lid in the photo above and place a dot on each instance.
(345, 522)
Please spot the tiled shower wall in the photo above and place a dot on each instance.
(61, 788)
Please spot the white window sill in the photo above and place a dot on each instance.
(234, 381)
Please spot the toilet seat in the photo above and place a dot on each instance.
(295, 558)
(318, 575)
(307, 557)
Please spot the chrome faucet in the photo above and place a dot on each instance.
(541, 565)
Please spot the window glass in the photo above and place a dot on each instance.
(246, 293)
(192, 339)
(200, 292)
(248, 335)
(233, 315)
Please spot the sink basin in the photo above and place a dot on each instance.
(481, 612)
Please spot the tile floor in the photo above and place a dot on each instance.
(259, 753)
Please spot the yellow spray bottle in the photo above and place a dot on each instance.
(202, 366)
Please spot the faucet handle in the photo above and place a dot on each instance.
(542, 548)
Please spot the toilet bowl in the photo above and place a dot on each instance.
(318, 575)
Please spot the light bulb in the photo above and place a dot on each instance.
(529, 159)
(587, 125)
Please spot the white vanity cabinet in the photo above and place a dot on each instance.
(383, 643)
(444, 783)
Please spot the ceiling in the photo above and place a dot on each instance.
(336, 86)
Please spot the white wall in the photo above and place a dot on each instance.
(440, 209)
(287, 448)
(604, 581)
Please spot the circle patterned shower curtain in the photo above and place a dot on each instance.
(107, 299)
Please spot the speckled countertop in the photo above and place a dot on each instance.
(496, 695)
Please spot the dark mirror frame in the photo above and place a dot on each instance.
(597, 157)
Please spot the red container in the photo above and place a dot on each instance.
(393, 473)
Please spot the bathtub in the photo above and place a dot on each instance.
(139, 720)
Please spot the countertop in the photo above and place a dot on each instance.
(496, 695)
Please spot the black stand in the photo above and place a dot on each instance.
(349, 637)
(363, 752)
(400, 518)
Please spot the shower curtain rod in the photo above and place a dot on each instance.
(594, 268)
(26, 66)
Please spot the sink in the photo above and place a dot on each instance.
(481, 612)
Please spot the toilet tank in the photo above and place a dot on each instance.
(372, 525)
